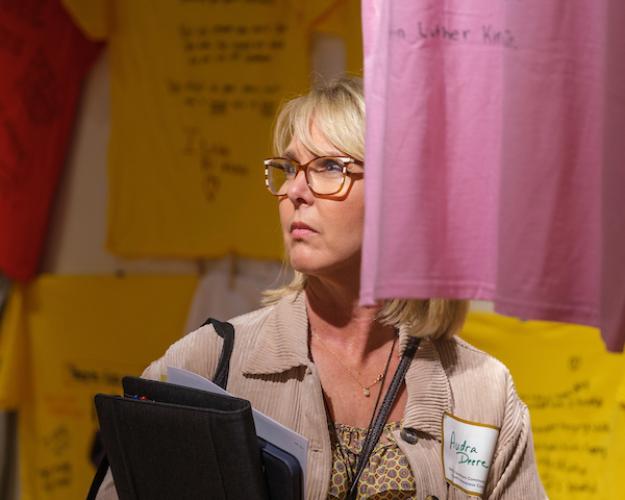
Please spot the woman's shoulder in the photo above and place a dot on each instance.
(482, 386)
(199, 350)
(459, 357)
(251, 321)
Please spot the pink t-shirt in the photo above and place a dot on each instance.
(486, 158)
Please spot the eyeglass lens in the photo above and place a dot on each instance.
(324, 175)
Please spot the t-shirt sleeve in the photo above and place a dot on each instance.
(94, 17)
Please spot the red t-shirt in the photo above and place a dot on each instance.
(43, 59)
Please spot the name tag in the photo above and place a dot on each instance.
(468, 449)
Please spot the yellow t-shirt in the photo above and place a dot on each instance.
(78, 335)
(570, 385)
(195, 85)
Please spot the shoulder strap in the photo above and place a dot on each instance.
(226, 332)
(375, 430)
(98, 478)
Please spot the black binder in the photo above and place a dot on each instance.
(166, 441)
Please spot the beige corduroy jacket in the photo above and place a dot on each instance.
(271, 367)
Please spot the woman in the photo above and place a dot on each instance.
(318, 362)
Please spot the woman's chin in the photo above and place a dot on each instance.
(315, 263)
(304, 268)
(305, 264)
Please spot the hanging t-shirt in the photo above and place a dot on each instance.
(342, 21)
(231, 287)
(484, 157)
(64, 339)
(616, 451)
(570, 385)
(44, 58)
(195, 87)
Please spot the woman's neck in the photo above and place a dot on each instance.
(335, 316)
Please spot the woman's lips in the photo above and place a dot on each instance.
(299, 230)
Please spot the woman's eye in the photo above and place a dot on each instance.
(332, 165)
(289, 168)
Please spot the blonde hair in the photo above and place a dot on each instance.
(338, 111)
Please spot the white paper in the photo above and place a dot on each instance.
(266, 427)
(467, 453)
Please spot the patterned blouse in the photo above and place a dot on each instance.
(386, 477)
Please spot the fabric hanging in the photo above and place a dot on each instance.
(44, 59)
(342, 20)
(62, 340)
(486, 159)
(231, 287)
(194, 88)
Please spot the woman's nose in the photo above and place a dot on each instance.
(298, 189)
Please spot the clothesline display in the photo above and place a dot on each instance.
(194, 88)
(486, 164)
(44, 59)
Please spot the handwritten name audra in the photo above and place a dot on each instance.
(465, 451)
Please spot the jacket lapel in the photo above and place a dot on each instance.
(429, 392)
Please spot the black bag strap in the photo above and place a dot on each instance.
(375, 431)
(98, 478)
(226, 332)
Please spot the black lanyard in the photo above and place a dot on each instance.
(375, 430)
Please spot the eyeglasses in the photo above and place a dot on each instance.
(325, 175)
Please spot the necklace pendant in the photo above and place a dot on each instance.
(366, 392)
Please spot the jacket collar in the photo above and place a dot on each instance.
(429, 392)
(283, 340)
(283, 345)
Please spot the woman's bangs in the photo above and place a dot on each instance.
(335, 122)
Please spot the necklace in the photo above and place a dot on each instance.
(366, 389)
